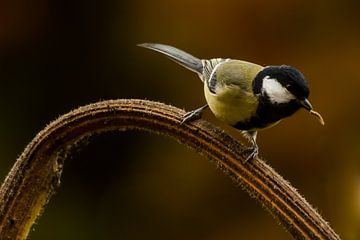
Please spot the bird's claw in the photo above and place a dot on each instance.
(251, 152)
(193, 115)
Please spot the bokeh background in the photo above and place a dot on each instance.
(58, 55)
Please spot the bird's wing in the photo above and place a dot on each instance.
(209, 71)
(237, 73)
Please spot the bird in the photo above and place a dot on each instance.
(244, 95)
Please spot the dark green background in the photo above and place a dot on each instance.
(58, 55)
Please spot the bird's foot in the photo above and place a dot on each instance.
(251, 153)
(193, 115)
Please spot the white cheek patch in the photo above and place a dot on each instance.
(276, 92)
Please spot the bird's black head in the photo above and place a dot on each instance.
(288, 77)
(281, 91)
(282, 85)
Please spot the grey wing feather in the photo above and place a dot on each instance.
(209, 72)
(183, 58)
(205, 68)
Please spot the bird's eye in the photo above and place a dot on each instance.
(288, 87)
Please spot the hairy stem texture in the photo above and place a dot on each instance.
(36, 174)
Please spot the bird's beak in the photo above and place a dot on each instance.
(307, 105)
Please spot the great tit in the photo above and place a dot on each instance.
(245, 95)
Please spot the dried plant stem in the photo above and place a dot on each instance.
(36, 173)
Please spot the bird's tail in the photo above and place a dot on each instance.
(185, 59)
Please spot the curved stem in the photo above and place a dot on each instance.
(36, 173)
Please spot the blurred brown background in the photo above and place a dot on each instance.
(58, 55)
